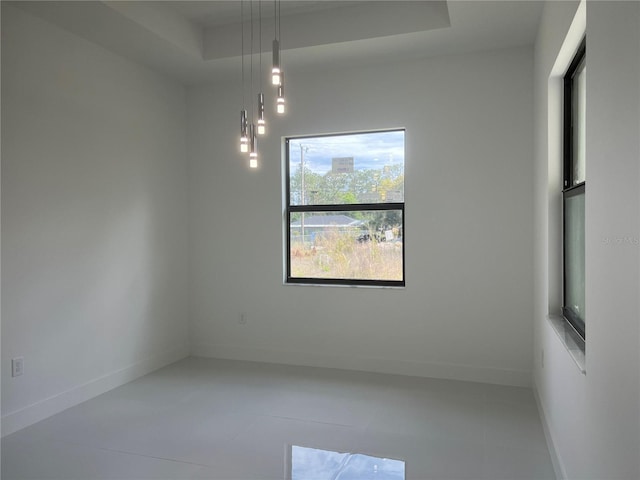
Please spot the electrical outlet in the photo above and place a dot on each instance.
(17, 366)
(243, 319)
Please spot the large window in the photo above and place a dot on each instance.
(574, 192)
(345, 209)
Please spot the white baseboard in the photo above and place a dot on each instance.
(19, 419)
(558, 466)
(519, 378)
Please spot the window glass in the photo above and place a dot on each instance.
(347, 169)
(573, 194)
(347, 245)
(578, 105)
(345, 209)
(574, 256)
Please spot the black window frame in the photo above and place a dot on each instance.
(570, 189)
(346, 207)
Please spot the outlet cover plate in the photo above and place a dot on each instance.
(17, 366)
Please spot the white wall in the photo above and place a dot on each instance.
(1, 368)
(94, 209)
(466, 311)
(593, 419)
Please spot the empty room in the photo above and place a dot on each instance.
(309, 240)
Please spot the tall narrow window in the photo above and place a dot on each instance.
(345, 209)
(573, 192)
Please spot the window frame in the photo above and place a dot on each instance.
(569, 188)
(345, 207)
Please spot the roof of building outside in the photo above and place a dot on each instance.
(328, 221)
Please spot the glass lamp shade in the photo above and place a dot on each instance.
(253, 160)
(244, 144)
(262, 127)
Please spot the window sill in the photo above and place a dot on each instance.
(342, 285)
(571, 341)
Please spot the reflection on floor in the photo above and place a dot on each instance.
(304, 463)
(212, 419)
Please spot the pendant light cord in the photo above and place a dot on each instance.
(251, 61)
(260, 40)
(242, 51)
(279, 29)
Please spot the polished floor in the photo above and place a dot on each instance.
(212, 419)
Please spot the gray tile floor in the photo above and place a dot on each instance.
(212, 419)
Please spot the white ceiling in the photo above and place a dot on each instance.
(200, 41)
(221, 12)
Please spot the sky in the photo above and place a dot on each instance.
(369, 150)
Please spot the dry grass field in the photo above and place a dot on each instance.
(343, 257)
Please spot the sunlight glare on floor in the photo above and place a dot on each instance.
(306, 463)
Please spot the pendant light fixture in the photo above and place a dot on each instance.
(277, 73)
(253, 150)
(252, 122)
(244, 139)
(262, 124)
(275, 70)
(280, 108)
